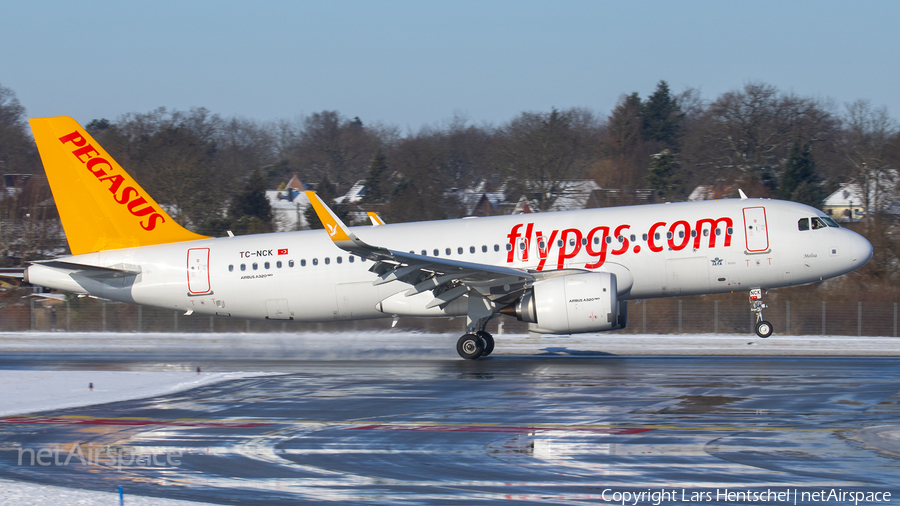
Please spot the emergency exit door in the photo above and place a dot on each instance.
(755, 230)
(198, 270)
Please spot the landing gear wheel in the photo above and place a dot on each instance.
(764, 329)
(488, 342)
(470, 346)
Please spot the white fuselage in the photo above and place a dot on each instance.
(654, 250)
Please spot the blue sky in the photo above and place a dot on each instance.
(415, 63)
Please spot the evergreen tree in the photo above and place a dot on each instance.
(661, 117)
(250, 211)
(800, 182)
(664, 176)
(377, 179)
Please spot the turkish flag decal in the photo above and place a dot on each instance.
(282, 251)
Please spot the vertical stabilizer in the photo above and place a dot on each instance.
(100, 205)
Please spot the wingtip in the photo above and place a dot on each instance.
(335, 228)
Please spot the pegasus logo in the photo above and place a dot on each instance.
(331, 228)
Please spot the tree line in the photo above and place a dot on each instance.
(209, 171)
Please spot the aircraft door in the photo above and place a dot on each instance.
(277, 309)
(198, 270)
(756, 232)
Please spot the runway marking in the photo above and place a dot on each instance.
(413, 426)
(67, 420)
(513, 429)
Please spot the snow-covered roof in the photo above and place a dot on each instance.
(356, 193)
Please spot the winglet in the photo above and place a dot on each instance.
(337, 231)
(743, 195)
(375, 219)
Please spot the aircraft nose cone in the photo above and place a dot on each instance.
(860, 249)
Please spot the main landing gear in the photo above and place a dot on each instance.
(475, 344)
(763, 328)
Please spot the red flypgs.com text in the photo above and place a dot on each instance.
(600, 242)
(98, 166)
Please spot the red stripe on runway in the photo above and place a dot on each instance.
(114, 421)
(498, 428)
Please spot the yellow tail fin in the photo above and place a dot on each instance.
(100, 205)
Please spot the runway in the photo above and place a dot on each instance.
(557, 429)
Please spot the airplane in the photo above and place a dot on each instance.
(562, 272)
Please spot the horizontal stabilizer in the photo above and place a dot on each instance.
(95, 271)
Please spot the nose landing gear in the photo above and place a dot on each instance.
(763, 329)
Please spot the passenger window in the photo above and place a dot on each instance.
(596, 240)
(730, 231)
(243, 267)
(255, 266)
(484, 248)
(656, 236)
(803, 224)
(436, 252)
(496, 247)
(471, 249)
(447, 251)
(644, 237)
(327, 260)
(718, 231)
(278, 264)
(339, 259)
(608, 240)
(267, 265)
(315, 261)
(559, 244)
(459, 250)
(230, 268)
(350, 258)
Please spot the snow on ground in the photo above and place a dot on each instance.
(29, 391)
(17, 493)
(399, 345)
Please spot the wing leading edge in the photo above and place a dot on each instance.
(447, 279)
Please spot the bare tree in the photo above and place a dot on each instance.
(540, 153)
(869, 131)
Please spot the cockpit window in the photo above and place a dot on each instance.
(803, 224)
(817, 223)
(831, 223)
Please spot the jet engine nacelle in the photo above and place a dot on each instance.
(571, 304)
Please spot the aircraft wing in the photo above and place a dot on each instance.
(448, 279)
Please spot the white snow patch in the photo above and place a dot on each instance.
(19, 493)
(33, 390)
